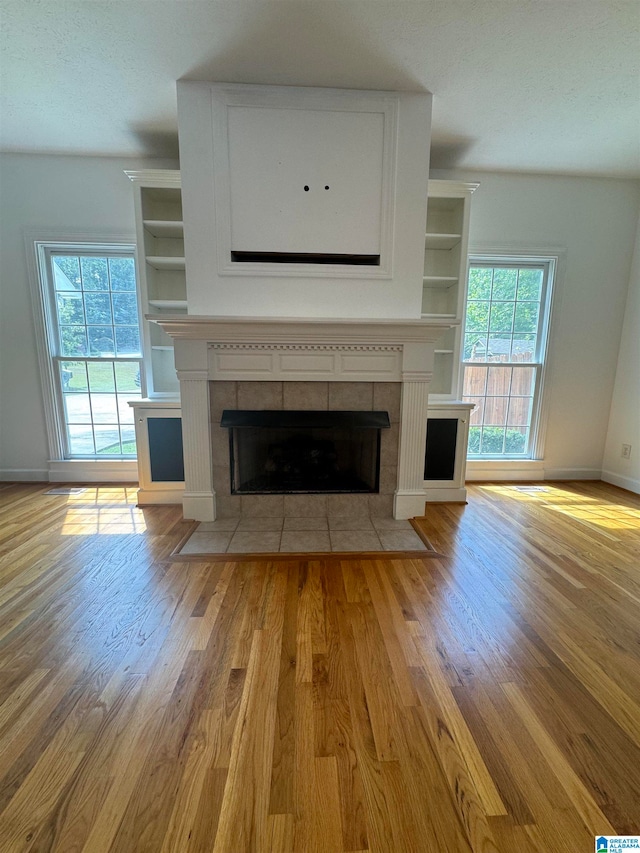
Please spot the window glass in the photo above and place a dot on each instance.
(98, 358)
(502, 354)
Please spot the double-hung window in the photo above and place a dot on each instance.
(505, 340)
(92, 330)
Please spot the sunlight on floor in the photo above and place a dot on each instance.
(579, 507)
(107, 510)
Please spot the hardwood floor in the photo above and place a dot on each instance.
(487, 700)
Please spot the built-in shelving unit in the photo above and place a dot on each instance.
(161, 269)
(445, 274)
(160, 454)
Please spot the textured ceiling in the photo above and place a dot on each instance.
(536, 86)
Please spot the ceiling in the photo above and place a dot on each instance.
(518, 85)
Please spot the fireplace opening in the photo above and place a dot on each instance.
(304, 452)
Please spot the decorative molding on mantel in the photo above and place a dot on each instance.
(193, 375)
(417, 376)
(309, 347)
(298, 332)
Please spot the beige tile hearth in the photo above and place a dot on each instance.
(207, 543)
(305, 540)
(347, 522)
(301, 534)
(355, 540)
(253, 542)
(401, 540)
(308, 523)
(258, 523)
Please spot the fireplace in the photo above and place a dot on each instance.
(304, 451)
(267, 364)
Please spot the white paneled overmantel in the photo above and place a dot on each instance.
(302, 201)
(209, 349)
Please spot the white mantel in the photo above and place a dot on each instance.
(295, 349)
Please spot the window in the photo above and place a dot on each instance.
(92, 330)
(505, 337)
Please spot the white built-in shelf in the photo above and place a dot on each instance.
(443, 352)
(442, 241)
(169, 304)
(438, 316)
(159, 262)
(162, 349)
(440, 280)
(164, 228)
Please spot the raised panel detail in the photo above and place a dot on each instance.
(305, 180)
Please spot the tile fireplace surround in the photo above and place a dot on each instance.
(284, 363)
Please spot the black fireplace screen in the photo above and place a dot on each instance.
(284, 452)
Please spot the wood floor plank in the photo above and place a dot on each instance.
(243, 820)
(483, 700)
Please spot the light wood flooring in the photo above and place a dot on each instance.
(487, 700)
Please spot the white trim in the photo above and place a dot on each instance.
(631, 484)
(224, 96)
(408, 503)
(24, 475)
(200, 506)
(573, 474)
(555, 257)
(38, 243)
(504, 469)
(92, 471)
(446, 496)
(155, 177)
(150, 497)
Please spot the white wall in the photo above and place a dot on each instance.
(592, 221)
(51, 195)
(624, 421)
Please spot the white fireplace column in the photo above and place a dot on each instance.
(199, 500)
(410, 494)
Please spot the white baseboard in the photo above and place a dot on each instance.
(408, 504)
(199, 506)
(152, 497)
(446, 496)
(573, 474)
(504, 471)
(24, 475)
(92, 471)
(631, 484)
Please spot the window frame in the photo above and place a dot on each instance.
(39, 251)
(551, 261)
